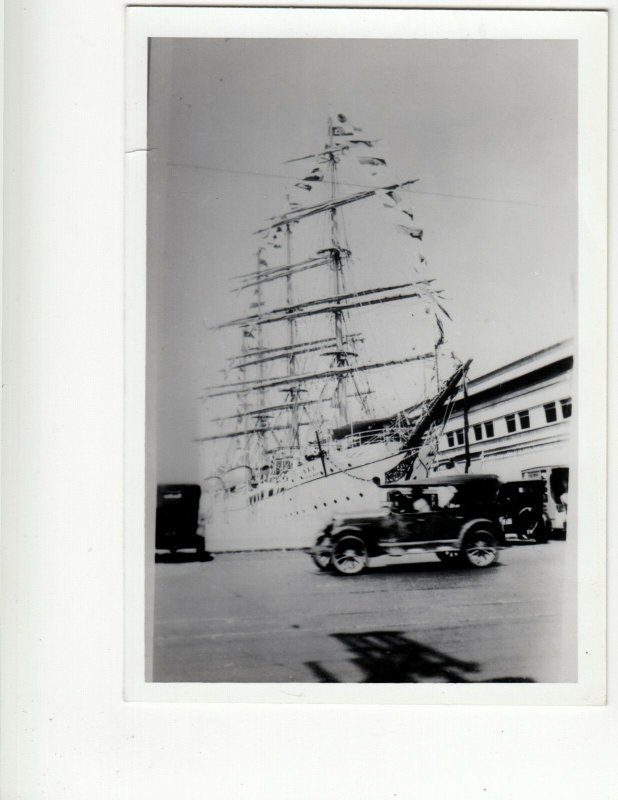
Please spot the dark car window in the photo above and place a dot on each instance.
(461, 495)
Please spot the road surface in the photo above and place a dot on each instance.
(273, 617)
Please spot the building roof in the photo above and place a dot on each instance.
(521, 366)
(550, 360)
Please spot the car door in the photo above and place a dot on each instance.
(417, 527)
(442, 524)
(404, 525)
(411, 526)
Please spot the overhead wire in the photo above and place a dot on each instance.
(355, 185)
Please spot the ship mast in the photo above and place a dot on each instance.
(255, 380)
(261, 419)
(337, 269)
(293, 389)
(251, 329)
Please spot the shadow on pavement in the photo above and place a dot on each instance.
(525, 543)
(181, 558)
(412, 567)
(390, 657)
(432, 566)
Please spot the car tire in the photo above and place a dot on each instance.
(350, 556)
(531, 526)
(479, 549)
(322, 562)
(542, 534)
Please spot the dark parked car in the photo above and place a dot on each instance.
(522, 510)
(177, 519)
(457, 518)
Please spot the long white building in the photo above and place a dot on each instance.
(519, 423)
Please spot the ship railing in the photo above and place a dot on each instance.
(383, 436)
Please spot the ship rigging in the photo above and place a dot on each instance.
(278, 440)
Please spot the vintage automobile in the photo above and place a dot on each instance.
(177, 519)
(456, 517)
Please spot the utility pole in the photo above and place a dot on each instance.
(321, 452)
(466, 424)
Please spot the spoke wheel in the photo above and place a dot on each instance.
(532, 526)
(480, 549)
(322, 561)
(350, 556)
(537, 530)
(529, 523)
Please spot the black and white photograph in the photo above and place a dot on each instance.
(362, 282)
(308, 352)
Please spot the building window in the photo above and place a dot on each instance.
(478, 432)
(460, 436)
(450, 438)
(566, 408)
(524, 420)
(551, 415)
(511, 425)
(489, 429)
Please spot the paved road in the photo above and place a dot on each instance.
(273, 617)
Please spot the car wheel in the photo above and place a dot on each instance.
(531, 526)
(322, 561)
(448, 556)
(202, 553)
(350, 556)
(480, 549)
(541, 534)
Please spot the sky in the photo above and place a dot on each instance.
(489, 128)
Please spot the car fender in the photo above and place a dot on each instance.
(326, 540)
(366, 533)
(474, 523)
(353, 529)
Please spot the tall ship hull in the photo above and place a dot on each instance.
(288, 515)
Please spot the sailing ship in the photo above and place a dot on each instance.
(307, 437)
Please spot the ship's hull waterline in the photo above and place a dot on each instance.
(292, 516)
